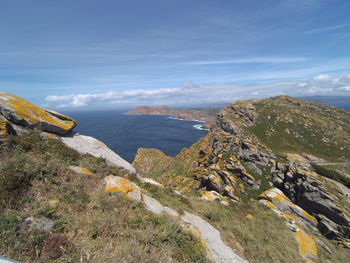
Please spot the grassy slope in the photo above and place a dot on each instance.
(90, 225)
(288, 125)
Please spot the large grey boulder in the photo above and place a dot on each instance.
(89, 145)
(24, 113)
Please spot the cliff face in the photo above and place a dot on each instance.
(292, 155)
(208, 116)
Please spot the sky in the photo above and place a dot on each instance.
(86, 54)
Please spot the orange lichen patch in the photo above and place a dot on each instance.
(5, 130)
(249, 216)
(290, 217)
(123, 187)
(210, 195)
(271, 206)
(307, 245)
(4, 127)
(308, 216)
(80, 170)
(33, 116)
(86, 171)
(249, 176)
(274, 195)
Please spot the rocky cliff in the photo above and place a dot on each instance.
(208, 116)
(291, 155)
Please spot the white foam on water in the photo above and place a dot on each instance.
(200, 127)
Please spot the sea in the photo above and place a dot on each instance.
(124, 134)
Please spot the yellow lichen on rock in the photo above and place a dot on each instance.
(282, 203)
(123, 187)
(22, 112)
(249, 216)
(296, 218)
(80, 170)
(209, 195)
(307, 245)
(5, 130)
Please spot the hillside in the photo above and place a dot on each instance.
(249, 191)
(208, 116)
(288, 154)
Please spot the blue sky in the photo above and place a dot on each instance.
(110, 53)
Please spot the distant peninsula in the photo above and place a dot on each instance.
(205, 115)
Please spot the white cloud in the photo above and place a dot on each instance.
(322, 77)
(191, 94)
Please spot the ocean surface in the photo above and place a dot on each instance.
(124, 134)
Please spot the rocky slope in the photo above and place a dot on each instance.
(66, 197)
(292, 155)
(208, 116)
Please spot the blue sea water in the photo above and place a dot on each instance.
(124, 134)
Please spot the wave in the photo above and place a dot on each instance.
(180, 119)
(200, 127)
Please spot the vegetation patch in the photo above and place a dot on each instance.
(332, 174)
(89, 224)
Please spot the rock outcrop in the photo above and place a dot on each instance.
(89, 145)
(297, 220)
(317, 195)
(20, 115)
(24, 113)
(122, 186)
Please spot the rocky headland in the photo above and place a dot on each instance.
(205, 115)
(268, 183)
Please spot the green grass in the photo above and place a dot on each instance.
(306, 132)
(332, 174)
(90, 225)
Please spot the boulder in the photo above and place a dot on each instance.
(122, 187)
(39, 223)
(24, 113)
(89, 145)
